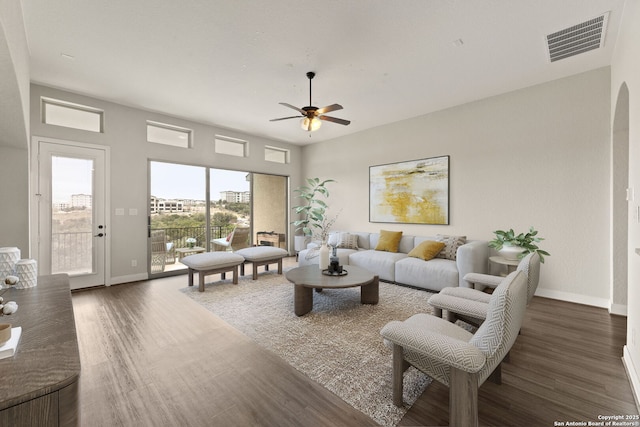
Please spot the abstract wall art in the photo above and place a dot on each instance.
(411, 192)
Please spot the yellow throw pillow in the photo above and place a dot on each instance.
(389, 241)
(427, 250)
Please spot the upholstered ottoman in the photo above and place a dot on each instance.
(212, 263)
(262, 255)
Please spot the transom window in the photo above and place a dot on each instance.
(75, 116)
(275, 154)
(162, 133)
(231, 146)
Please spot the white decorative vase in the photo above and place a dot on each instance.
(8, 259)
(324, 256)
(27, 272)
(510, 252)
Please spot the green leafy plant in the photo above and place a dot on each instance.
(527, 241)
(314, 208)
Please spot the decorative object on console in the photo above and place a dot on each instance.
(191, 242)
(27, 272)
(11, 280)
(9, 307)
(8, 258)
(411, 192)
(5, 333)
(514, 246)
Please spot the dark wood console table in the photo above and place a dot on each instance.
(39, 384)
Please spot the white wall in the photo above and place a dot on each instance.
(625, 69)
(534, 157)
(14, 119)
(125, 133)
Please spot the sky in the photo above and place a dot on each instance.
(174, 181)
(70, 176)
(168, 180)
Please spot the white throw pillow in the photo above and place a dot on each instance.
(348, 241)
(451, 245)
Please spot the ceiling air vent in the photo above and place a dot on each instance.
(580, 38)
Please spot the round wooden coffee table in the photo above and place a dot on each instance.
(306, 279)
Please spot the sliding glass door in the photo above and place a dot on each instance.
(194, 209)
(177, 215)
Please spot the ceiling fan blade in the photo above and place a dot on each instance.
(335, 120)
(295, 108)
(285, 118)
(329, 108)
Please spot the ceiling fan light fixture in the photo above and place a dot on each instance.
(310, 124)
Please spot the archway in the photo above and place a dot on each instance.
(620, 214)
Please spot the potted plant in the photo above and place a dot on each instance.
(515, 246)
(314, 222)
(190, 242)
(313, 211)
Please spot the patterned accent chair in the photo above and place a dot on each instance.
(454, 356)
(470, 304)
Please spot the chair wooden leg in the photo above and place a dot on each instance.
(437, 312)
(191, 276)
(463, 398)
(397, 374)
(450, 316)
(496, 375)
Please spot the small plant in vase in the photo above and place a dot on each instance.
(191, 242)
(515, 246)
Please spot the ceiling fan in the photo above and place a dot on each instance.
(312, 116)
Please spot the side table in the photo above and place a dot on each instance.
(511, 264)
(183, 252)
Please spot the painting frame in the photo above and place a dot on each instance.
(410, 192)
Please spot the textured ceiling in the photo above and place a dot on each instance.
(229, 63)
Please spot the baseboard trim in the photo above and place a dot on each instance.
(576, 298)
(632, 374)
(129, 278)
(618, 309)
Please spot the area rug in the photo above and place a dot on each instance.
(337, 344)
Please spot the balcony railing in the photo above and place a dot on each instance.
(72, 252)
(179, 236)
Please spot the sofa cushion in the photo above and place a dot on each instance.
(378, 262)
(348, 241)
(451, 245)
(435, 274)
(426, 250)
(389, 241)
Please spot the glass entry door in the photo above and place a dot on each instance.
(72, 232)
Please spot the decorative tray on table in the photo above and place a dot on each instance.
(328, 273)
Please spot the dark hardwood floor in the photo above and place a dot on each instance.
(153, 357)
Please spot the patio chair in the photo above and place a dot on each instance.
(237, 239)
(158, 251)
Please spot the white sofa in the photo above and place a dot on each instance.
(397, 267)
